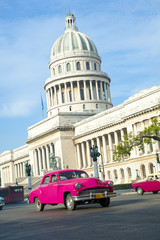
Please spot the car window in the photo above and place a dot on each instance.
(54, 178)
(46, 180)
(72, 175)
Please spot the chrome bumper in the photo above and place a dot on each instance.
(94, 196)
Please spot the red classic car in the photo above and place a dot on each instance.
(71, 187)
(152, 184)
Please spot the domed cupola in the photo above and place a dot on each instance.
(76, 83)
(72, 42)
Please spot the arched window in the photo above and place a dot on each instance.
(70, 108)
(143, 171)
(78, 66)
(122, 173)
(87, 66)
(115, 174)
(59, 69)
(95, 66)
(151, 170)
(53, 71)
(129, 172)
(96, 106)
(68, 66)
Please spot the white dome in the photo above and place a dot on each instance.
(73, 42)
(77, 83)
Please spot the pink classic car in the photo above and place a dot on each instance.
(71, 187)
(152, 184)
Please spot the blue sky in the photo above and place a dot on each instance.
(125, 32)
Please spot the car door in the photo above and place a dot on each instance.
(53, 189)
(44, 196)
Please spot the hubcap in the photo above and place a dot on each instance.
(70, 202)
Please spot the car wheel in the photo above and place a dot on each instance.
(39, 206)
(70, 203)
(140, 191)
(104, 202)
(155, 192)
(1, 207)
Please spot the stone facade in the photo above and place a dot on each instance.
(80, 115)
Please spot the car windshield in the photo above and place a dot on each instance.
(72, 175)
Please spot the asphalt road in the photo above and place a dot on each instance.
(128, 217)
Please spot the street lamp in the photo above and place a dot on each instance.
(28, 173)
(94, 154)
(158, 162)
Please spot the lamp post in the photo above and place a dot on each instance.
(158, 162)
(94, 154)
(28, 173)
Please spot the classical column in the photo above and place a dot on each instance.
(99, 149)
(88, 154)
(110, 147)
(83, 155)
(97, 93)
(22, 169)
(122, 134)
(85, 90)
(66, 93)
(79, 156)
(78, 85)
(91, 87)
(55, 95)
(47, 155)
(101, 87)
(145, 144)
(52, 97)
(43, 158)
(15, 170)
(135, 133)
(60, 94)
(105, 91)
(72, 91)
(35, 166)
(108, 93)
(116, 138)
(39, 161)
(18, 170)
(104, 149)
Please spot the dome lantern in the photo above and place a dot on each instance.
(70, 21)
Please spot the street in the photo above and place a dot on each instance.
(128, 217)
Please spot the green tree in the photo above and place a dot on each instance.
(124, 148)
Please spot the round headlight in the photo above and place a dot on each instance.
(78, 185)
(111, 183)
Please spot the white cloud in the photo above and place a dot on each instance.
(16, 108)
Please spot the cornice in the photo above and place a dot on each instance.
(115, 123)
(58, 128)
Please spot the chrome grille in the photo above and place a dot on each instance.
(95, 190)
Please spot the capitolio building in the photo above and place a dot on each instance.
(80, 114)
